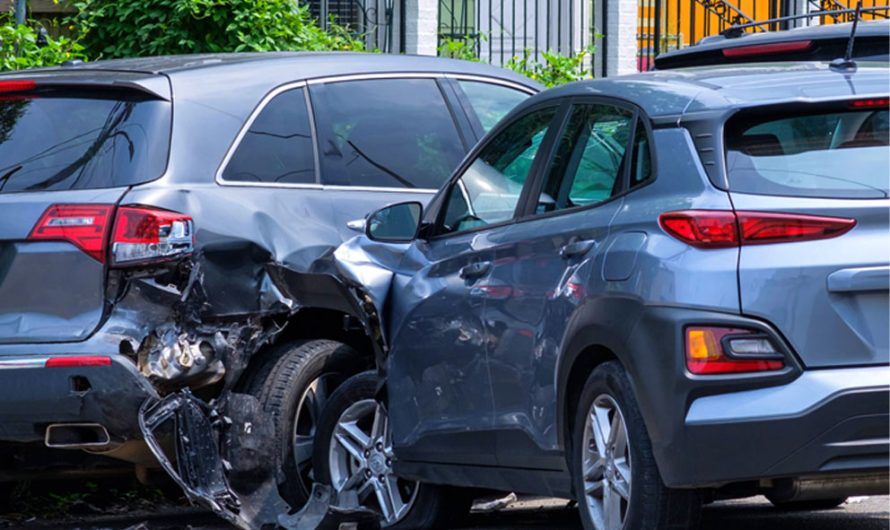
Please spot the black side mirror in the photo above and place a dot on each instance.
(396, 223)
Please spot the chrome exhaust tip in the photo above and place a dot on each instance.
(77, 436)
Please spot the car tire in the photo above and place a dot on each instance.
(354, 402)
(805, 506)
(292, 386)
(622, 488)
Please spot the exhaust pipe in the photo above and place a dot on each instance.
(77, 436)
(827, 487)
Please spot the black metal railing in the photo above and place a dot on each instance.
(371, 20)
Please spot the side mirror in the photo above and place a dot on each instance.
(396, 223)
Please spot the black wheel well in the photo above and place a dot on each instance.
(583, 365)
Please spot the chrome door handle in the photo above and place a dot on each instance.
(576, 248)
(475, 270)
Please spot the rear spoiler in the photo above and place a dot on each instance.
(151, 85)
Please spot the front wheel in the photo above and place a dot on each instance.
(616, 480)
(353, 452)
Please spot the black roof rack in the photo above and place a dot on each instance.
(736, 31)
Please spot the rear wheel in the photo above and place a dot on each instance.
(354, 453)
(293, 387)
(616, 480)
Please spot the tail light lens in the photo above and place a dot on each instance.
(140, 235)
(77, 361)
(768, 49)
(723, 229)
(148, 234)
(717, 350)
(83, 225)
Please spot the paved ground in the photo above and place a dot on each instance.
(871, 513)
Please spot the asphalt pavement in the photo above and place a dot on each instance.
(871, 513)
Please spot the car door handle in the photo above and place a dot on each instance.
(475, 270)
(576, 248)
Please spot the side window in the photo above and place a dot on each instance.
(396, 133)
(491, 102)
(641, 167)
(489, 190)
(277, 148)
(589, 162)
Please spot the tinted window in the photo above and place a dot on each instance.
(277, 148)
(386, 133)
(589, 162)
(72, 140)
(641, 167)
(491, 102)
(489, 190)
(837, 154)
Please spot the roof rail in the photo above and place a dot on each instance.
(736, 31)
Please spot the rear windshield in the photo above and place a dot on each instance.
(831, 154)
(70, 140)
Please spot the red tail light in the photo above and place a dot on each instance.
(716, 350)
(148, 234)
(17, 86)
(84, 225)
(140, 234)
(870, 103)
(723, 229)
(768, 49)
(76, 361)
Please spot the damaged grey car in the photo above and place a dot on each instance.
(161, 220)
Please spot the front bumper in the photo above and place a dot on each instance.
(33, 397)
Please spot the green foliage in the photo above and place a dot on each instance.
(126, 28)
(19, 47)
(554, 69)
(465, 48)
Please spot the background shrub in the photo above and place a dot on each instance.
(23, 47)
(128, 28)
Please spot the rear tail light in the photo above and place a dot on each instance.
(870, 103)
(140, 235)
(17, 86)
(768, 49)
(77, 361)
(84, 225)
(716, 350)
(723, 229)
(148, 234)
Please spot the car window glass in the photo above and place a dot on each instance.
(589, 160)
(491, 102)
(396, 133)
(489, 190)
(277, 149)
(641, 167)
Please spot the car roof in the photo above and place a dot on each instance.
(272, 68)
(866, 29)
(688, 90)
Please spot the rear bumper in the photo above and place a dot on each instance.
(33, 397)
(825, 421)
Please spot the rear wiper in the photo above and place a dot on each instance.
(5, 177)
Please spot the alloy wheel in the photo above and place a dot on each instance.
(306, 419)
(361, 459)
(606, 465)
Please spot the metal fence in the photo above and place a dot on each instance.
(499, 30)
(665, 25)
(375, 21)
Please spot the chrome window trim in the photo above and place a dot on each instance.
(218, 178)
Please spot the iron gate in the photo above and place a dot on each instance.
(374, 21)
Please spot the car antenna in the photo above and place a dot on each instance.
(846, 62)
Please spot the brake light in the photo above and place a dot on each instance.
(140, 235)
(17, 86)
(768, 49)
(716, 350)
(870, 103)
(77, 361)
(148, 234)
(84, 225)
(710, 229)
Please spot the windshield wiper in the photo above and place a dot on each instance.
(5, 177)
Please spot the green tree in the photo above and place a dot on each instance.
(127, 28)
(21, 47)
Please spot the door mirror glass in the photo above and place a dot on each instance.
(397, 223)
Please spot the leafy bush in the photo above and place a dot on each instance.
(127, 28)
(21, 47)
(554, 69)
(465, 48)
